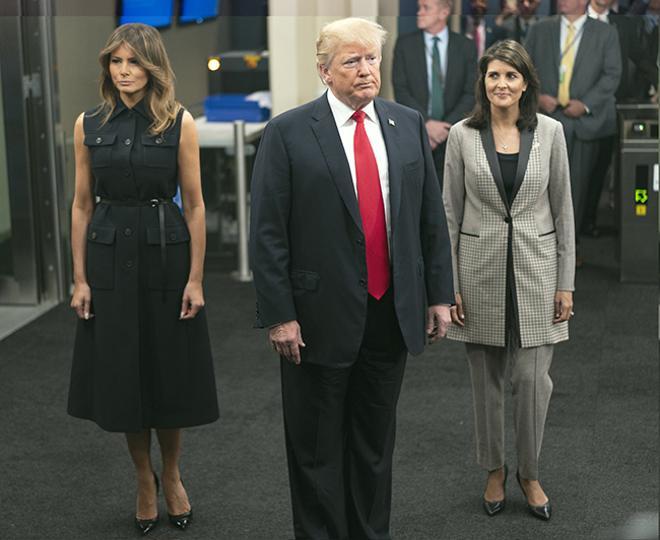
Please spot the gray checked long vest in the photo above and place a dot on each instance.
(540, 220)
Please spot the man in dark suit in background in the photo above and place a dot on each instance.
(433, 72)
(578, 61)
(352, 269)
(516, 19)
(629, 32)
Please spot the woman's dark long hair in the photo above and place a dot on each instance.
(512, 53)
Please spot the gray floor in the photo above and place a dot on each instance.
(65, 479)
(13, 318)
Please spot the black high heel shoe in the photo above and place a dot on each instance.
(495, 507)
(145, 526)
(181, 521)
(543, 511)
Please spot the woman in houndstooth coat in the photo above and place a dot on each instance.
(508, 202)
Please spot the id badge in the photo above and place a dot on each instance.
(562, 74)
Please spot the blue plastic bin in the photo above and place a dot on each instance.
(230, 107)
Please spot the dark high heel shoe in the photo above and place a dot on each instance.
(543, 511)
(495, 507)
(145, 526)
(181, 521)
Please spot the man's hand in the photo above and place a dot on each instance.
(286, 339)
(437, 322)
(438, 132)
(575, 109)
(547, 103)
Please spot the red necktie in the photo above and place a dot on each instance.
(372, 210)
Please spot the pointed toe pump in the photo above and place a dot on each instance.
(495, 507)
(145, 526)
(543, 511)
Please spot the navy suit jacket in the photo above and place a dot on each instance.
(307, 245)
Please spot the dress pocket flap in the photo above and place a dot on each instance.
(157, 140)
(100, 139)
(173, 235)
(303, 279)
(101, 235)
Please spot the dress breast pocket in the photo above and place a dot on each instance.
(100, 148)
(159, 150)
(100, 264)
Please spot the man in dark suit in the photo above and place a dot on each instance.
(579, 66)
(434, 72)
(352, 269)
(516, 19)
(629, 32)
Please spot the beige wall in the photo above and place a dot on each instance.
(293, 27)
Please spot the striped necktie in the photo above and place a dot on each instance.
(437, 86)
(566, 67)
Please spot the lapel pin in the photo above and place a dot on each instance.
(391, 122)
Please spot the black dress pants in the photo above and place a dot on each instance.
(339, 429)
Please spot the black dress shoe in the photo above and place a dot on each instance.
(145, 526)
(543, 511)
(495, 507)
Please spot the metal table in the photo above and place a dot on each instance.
(233, 136)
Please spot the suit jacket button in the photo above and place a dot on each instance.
(172, 236)
(128, 231)
(360, 241)
(363, 282)
(99, 140)
(507, 219)
(93, 235)
(127, 142)
(159, 140)
(129, 263)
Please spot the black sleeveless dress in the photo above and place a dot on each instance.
(135, 364)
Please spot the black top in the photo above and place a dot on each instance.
(129, 162)
(508, 166)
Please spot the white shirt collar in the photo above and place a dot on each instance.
(443, 35)
(577, 23)
(595, 15)
(342, 112)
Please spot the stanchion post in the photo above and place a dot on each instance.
(243, 273)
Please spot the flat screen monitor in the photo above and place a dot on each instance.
(156, 13)
(197, 11)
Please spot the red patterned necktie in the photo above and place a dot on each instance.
(372, 210)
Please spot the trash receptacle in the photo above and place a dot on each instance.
(638, 193)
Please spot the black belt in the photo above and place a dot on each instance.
(160, 204)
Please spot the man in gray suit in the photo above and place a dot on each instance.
(579, 66)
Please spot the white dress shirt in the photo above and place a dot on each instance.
(342, 114)
(578, 24)
(442, 48)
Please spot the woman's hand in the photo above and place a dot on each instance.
(192, 301)
(457, 314)
(563, 306)
(81, 301)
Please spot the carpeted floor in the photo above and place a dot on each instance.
(64, 478)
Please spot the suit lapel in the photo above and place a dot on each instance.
(526, 138)
(325, 129)
(391, 137)
(488, 143)
(452, 76)
(586, 44)
(422, 75)
(555, 37)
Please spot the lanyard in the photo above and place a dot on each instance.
(575, 38)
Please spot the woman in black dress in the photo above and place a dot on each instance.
(142, 357)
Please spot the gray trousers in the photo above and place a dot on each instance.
(532, 388)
